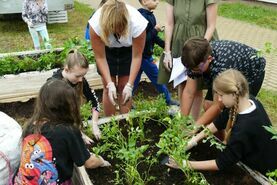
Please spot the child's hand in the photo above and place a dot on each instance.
(104, 162)
(159, 28)
(87, 140)
(191, 143)
(96, 131)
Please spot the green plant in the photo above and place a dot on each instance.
(125, 149)
(212, 140)
(272, 175)
(46, 61)
(173, 143)
(85, 111)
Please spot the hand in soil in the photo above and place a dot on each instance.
(172, 164)
(105, 163)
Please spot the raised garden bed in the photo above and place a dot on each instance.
(152, 130)
(164, 175)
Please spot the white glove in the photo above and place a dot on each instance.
(105, 163)
(191, 143)
(127, 92)
(112, 92)
(167, 60)
(96, 131)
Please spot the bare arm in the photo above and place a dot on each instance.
(93, 162)
(188, 96)
(203, 165)
(210, 114)
(211, 11)
(98, 47)
(137, 49)
(169, 25)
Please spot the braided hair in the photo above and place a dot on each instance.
(233, 82)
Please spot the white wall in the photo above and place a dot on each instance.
(15, 6)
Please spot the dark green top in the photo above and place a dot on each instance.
(189, 21)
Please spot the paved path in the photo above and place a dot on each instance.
(230, 29)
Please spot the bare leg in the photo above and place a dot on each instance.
(109, 108)
(122, 81)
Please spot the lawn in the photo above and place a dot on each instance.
(15, 35)
(253, 13)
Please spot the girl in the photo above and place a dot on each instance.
(75, 68)
(117, 35)
(52, 140)
(34, 13)
(246, 138)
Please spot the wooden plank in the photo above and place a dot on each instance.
(25, 86)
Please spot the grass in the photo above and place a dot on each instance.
(269, 101)
(255, 14)
(15, 35)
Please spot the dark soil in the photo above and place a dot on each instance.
(22, 111)
(164, 175)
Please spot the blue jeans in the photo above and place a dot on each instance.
(42, 30)
(151, 70)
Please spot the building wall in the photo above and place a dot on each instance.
(15, 6)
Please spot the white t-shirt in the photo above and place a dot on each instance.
(137, 24)
(10, 146)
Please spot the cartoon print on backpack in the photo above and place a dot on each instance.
(37, 162)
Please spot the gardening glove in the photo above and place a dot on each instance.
(104, 162)
(167, 60)
(112, 92)
(127, 93)
(87, 139)
(191, 143)
(96, 131)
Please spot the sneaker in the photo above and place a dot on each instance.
(173, 102)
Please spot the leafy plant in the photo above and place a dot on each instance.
(212, 140)
(173, 143)
(46, 61)
(85, 111)
(125, 149)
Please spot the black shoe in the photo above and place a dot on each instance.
(173, 102)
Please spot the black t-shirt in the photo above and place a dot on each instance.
(68, 148)
(249, 142)
(87, 91)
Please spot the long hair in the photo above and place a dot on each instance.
(195, 51)
(57, 103)
(113, 20)
(76, 58)
(231, 81)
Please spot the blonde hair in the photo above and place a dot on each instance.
(231, 81)
(76, 58)
(113, 20)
